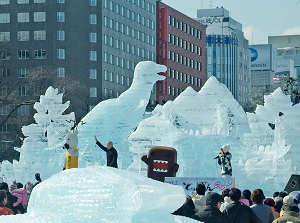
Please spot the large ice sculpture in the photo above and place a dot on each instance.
(42, 147)
(114, 119)
(104, 195)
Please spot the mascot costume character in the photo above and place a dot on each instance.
(70, 143)
(161, 163)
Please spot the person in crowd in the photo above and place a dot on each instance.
(262, 211)
(277, 207)
(38, 180)
(291, 214)
(211, 213)
(111, 153)
(271, 203)
(287, 200)
(282, 194)
(224, 160)
(225, 193)
(275, 194)
(199, 199)
(3, 201)
(237, 212)
(227, 201)
(21, 194)
(10, 199)
(246, 194)
(187, 209)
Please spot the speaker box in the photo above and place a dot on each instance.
(293, 184)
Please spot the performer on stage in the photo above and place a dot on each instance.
(224, 160)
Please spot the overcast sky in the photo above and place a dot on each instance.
(260, 18)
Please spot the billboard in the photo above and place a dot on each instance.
(285, 65)
(263, 57)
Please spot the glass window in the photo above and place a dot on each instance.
(93, 92)
(39, 35)
(23, 1)
(22, 72)
(23, 91)
(61, 35)
(23, 17)
(39, 1)
(4, 2)
(61, 72)
(93, 55)
(4, 36)
(60, 16)
(61, 54)
(39, 54)
(23, 110)
(61, 1)
(4, 17)
(93, 19)
(4, 54)
(93, 73)
(4, 73)
(23, 54)
(93, 37)
(39, 16)
(93, 2)
(4, 110)
(23, 35)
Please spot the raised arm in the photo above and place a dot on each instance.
(100, 145)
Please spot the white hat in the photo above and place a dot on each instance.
(288, 200)
(226, 148)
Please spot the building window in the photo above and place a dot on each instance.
(23, 110)
(23, 91)
(93, 73)
(61, 35)
(39, 1)
(4, 73)
(39, 16)
(93, 55)
(61, 72)
(23, 1)
(4, 36)
(4, 110)
(61, 1)
(4, 2)
(93, 92)
(93, 19)
(22, 72)
(4, 17)
(39, 35)
(93, 37)
(60, 16)
(23, 54)
(23, 35)
(93, 2)
(23, 17)
(61, 54)
(39, 54)
(4, 54)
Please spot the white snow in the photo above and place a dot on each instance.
(104, 195)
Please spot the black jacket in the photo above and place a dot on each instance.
(241, 213)
(13, 199)
(111, 155)
(211, 214)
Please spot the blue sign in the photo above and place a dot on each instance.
(253, 54)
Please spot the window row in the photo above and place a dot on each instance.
(24, 35)
(186, 78)
(23, 17)
(184, 60)
(185, 44)
(115, 7)
(117, 78)
(185, 27)
(24, 54)
(110, 93)
(6, 2)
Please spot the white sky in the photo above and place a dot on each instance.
(260, 18)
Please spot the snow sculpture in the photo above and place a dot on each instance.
(71, 145)
(48, 132)
(114, 119)
(101, 194)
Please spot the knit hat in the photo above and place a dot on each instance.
(213, 199)
(269, 201)
(287, 200)
(13, 187)
(226, 148)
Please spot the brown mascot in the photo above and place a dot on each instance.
(161, 163)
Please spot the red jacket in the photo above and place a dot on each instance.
(5, 211)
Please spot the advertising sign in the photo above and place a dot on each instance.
(263, 57)
(189, 184)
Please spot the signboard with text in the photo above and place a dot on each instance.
(263, 57)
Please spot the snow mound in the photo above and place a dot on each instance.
(101, 194)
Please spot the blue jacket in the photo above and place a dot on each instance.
(225, 162)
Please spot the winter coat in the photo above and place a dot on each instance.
(22, 197)
(5, 210)
(227, 201)
(111, 155)
(241, 213)
(288, 216)
(11, 199)
(225, 162)
(263, 212)
(199, 202)
(211, 214)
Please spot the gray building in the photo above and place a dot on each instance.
(227, 52)
(94, 43)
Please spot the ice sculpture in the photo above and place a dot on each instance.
(104, 195)
(114, 119)
(42, 147)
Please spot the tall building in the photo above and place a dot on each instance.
(97, 43)
(181, 47)
(227, 52)
(263, 69)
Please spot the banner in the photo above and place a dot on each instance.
(189, 184)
